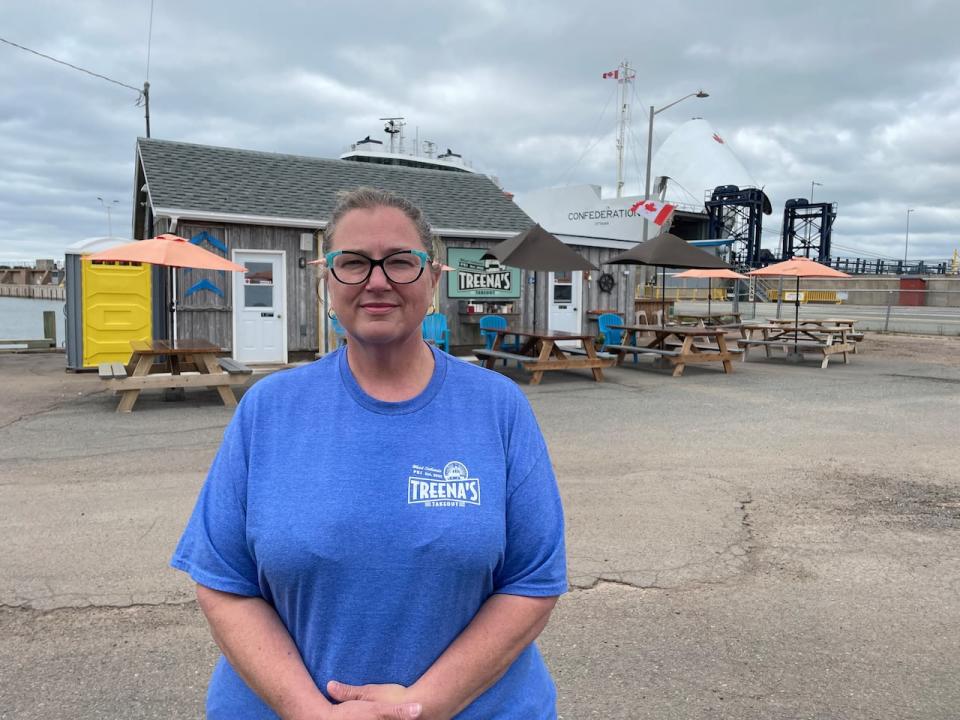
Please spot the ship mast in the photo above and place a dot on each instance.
(625, 76)
(393, 128)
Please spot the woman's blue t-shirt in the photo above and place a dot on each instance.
(378, 529)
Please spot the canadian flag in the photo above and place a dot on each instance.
(615, 74)
(656, 212)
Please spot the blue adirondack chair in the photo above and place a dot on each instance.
(435, 330)
(611, 336)
(489, 323)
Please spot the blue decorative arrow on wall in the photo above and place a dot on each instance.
(204, 236)
(203, 285)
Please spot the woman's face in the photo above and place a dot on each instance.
(378, 311)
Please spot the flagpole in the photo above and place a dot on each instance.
(624, 119)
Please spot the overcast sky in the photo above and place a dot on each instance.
(863, 97)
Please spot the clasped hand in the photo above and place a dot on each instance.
(371, 702)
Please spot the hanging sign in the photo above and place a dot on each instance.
(478, 274)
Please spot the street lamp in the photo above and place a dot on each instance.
(108, 206)
(812, 183)
(906, 241)
(646, 190)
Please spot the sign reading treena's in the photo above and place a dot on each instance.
(478, 274)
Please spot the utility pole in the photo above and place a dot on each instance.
(906, 242)
(146, 105)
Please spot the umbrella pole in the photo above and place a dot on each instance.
(173, 303)
(536, 289)
(709, 294)
(796, 317)
(663, 296)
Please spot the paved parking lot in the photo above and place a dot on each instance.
(781, 542)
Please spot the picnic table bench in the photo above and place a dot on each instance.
(680, 345)
(796, 341)
(540, 352)
(189, 363)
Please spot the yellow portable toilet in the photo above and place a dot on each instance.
(107, 305)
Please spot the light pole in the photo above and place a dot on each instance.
(646, 189)
(108, 206)
(906, 241)
(812, 183)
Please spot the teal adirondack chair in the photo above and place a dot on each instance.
(489, 323)
(435, 330)
(612, 336)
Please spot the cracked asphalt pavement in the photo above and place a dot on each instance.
(778, 543)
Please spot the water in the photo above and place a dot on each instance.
(22, 318)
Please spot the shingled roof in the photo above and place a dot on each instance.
(199, 179)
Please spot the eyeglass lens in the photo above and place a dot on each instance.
(353, 268)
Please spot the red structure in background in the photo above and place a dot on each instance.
(913, 290)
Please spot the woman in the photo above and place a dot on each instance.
(380, 534)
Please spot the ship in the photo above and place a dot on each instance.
(400, 151)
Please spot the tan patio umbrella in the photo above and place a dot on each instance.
(667, 250)
(798, 267)
(169, 251)
(536, 249)
(710, 274)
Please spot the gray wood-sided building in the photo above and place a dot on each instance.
(267, 210)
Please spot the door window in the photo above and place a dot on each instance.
(258, 285)
(562, 293)
(562, 286)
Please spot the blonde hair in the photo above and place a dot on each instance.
(368, 198)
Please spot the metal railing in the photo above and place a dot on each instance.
(870, 266)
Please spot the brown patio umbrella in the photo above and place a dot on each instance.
(537, 249)
(798, 267)
(709, 275)
(667, 250)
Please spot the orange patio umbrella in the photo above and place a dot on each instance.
(170, 251)
(798, 267)
(710, 274)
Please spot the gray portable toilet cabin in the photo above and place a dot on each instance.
(114, 301)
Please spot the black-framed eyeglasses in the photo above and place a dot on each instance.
(352, 268)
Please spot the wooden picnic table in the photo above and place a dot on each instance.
(162, 364)
(847, 323)
(796, 339)
(661, 340)
(540, 352)
(709, 318)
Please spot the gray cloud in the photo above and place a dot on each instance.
(861, 97)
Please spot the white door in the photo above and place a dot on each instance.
(259, 307)
(565, 300)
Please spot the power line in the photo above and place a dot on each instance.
(862, 251)
(75, 67)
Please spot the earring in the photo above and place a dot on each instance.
(432, 309)
(331, 314)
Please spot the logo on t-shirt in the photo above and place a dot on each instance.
(450, 487)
